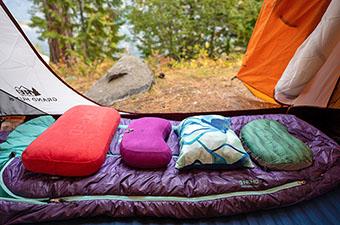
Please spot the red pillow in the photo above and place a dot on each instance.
(75, 145)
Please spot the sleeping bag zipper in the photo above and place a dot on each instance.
(179, 198)
(14, 197)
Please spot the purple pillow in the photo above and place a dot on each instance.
(144, 143)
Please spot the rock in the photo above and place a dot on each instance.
(129, 76)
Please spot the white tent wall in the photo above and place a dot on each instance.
(314, 69)
(26, 78)
(319, 90)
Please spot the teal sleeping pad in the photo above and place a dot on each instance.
(21, 137)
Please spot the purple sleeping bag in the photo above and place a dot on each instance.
(119, 191)
(3, 136)
(144, 143)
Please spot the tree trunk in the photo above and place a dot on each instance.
(59, 50)
(53, 45)
(66, 31)
(83, 27)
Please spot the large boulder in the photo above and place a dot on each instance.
(129, 76)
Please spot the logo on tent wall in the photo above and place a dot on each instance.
(32, 94)
(24, 91)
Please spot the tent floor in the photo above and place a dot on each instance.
(322, 210)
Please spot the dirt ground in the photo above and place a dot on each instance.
(195, 90)
(196, 86)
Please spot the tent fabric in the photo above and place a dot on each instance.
(319, 90)
(10, 105)
(281, 28)
(28, 86)
(26, 77)
(312, 74)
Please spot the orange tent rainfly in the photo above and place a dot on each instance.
(281, 28)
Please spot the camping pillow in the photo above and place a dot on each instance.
(144, 143)
(272, 147)
(208, 142)
(75, 145)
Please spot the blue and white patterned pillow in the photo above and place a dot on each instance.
(208, 142)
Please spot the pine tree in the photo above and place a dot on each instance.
(54, 26)
(78, 29)
(182, 28)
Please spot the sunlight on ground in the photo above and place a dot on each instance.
(194, 86)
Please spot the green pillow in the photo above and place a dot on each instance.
(272, 147)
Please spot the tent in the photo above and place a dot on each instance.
(282, 27)
(314, 70)
(28, 86)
